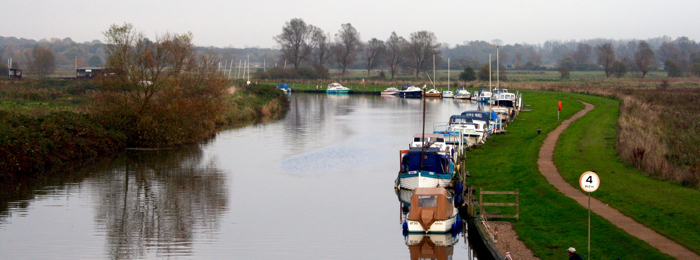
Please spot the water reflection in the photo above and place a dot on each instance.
(156, 201)
(433, 246)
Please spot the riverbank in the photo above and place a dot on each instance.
(549, 221)
(33, 139)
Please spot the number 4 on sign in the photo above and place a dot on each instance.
(589, 181)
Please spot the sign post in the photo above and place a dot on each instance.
(589, 182)
(559, 110)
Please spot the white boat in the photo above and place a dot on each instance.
(462, 93)
(409, 90)
(467, 128)
(425, 167)
(447, 94)
(431, 211)
(390, 91)
(336, 88)
(484, 96)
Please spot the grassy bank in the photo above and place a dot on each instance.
(34, 138)
(549, 222)
(589, 144)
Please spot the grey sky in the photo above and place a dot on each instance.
(254, 23)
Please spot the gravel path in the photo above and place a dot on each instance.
(549, 170)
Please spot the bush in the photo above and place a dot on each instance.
(619, 69)
(674, 70)
(467, 74)
(564, 71)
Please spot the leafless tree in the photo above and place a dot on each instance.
(42, 61)
(322, 52)
(395, 52)
(296, 41)
(582, 53)
(644, 58)
(373, 51)
(422, 47)
(347, 45)
(606, 57)
(668, 51)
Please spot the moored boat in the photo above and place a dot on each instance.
(425, 167)
(447, 94)
(336, 88)
(409, 90)
(431, 211)
(434, 93)
(462, 93)
(284, 87)
(390, 91)
(484, 95)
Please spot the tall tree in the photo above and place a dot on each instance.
(395, 52)
(163, 92)
(296, 41)
(606, 57)
(422, 47)
(322, 52)
(582, 53)
(644, 58)
(347, 45)
(373, 51)
(42, 61)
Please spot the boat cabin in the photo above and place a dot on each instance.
(284, 87)
(432, 161)
(406, 86)
(429, 205)
(15, 74)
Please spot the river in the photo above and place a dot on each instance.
(317, 184)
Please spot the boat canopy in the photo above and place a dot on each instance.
(335, 84)
(430, 137)
(406, 86)
(432, 160)
(477, 115)
(283, 86)
(430, 203)
(460, 119)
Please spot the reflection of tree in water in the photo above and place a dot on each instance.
(155, 201)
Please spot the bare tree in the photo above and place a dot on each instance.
(296, 41)
(322, 52)
(582, 53)
(347, 45)
(644, 58)
(606, 57)
(395, 52)
(42, 61)
(373, 51)
(162, 92)
(423, 46)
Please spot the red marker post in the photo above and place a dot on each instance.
(559, 110)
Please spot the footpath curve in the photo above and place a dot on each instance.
(550, 172)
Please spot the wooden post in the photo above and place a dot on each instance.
(517, 204)
(481, 201)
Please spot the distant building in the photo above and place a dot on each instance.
(90, 72)
(15, 74)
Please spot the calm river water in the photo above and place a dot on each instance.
(317, 184)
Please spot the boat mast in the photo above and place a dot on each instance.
(433, 73)
(498, 77)
(490, 73)
(448, 73)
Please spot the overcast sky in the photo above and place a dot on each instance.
(254, 23)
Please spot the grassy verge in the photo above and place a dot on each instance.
(549, 222)
(589, 144)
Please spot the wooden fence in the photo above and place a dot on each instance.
(482, 204)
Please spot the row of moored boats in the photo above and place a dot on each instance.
(426, 185)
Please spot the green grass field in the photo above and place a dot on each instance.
(512, 75)
(551, 222)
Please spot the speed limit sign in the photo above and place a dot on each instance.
(589, 181)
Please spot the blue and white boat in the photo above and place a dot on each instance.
(483, 121)
(409, 90)
(336, 88)
(484, 95)
(284, 87)
(425, 167)
(448, 94)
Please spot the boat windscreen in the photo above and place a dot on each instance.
(427, 201)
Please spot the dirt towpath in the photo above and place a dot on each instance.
(626, 223)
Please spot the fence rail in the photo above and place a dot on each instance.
(482, 204)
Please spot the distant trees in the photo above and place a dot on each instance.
(468, 74)
(606, 57)
(322, 52)
(296, 41)
(41, 61)
(422, 46)
(564, 72)
(95, 61)
(373, 51)
(395, 53)
(674, 70)
(582, 54)
(484, 72)
(618, 69)
(163, 92)
(346, 46)
(644, 58)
